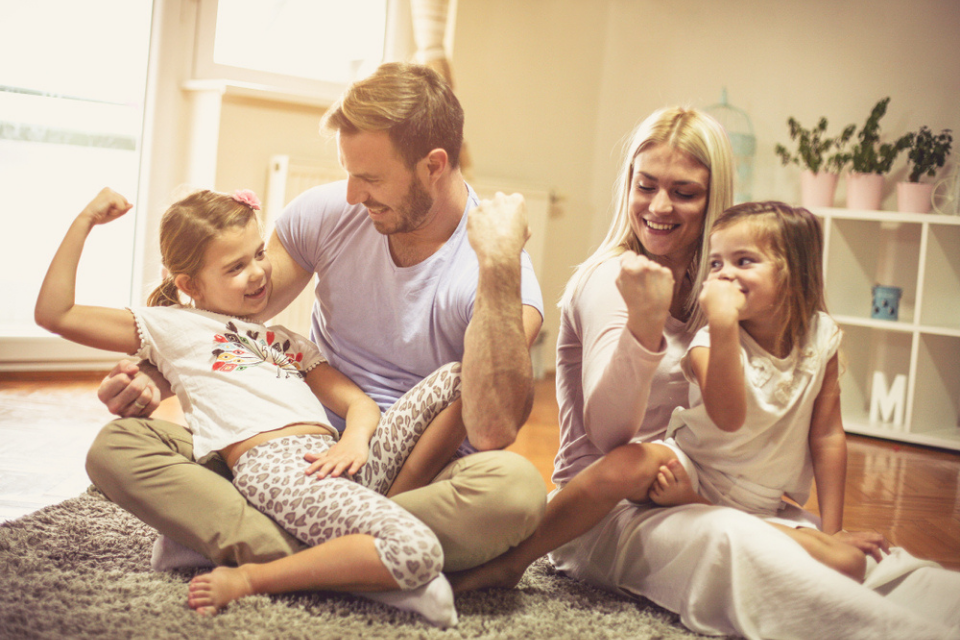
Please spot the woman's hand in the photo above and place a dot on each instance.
(647, 290)
(346, 456)
(870, 542)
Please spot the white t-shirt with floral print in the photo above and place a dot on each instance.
(234, 378)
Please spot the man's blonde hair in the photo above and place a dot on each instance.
(411, 102)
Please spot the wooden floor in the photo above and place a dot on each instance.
(48, 420)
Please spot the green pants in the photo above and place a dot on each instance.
(478, 506)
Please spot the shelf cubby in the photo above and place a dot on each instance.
(920, 254)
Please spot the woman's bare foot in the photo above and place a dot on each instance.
(210, 592)
(673, 486)
(495, 574)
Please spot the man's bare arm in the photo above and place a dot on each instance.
(497, 374)
(288, 278)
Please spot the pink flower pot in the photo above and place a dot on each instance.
(864, 191)
(817, 189)
(914, 197)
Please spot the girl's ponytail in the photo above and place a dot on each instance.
(188, 227)
(165, 295)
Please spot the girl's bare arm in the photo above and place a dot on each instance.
(719, 369)
(828, 448)
(342, 396)
(56, 309)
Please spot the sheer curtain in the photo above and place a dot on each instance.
(433, 24)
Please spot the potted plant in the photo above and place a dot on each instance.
(927, 153)
(870, 160)
(818, 181)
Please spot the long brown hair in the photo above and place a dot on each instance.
(794, 238)
(186, 230)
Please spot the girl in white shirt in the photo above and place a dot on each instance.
(764, 418)
(241, 386)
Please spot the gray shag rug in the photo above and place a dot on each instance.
(81, 569)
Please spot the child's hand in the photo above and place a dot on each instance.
(346, 456)
(721, 300)
(107, 206)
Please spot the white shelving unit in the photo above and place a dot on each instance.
(920, 253)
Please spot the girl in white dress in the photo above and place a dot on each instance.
(764, 416)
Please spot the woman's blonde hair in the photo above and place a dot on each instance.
(187, 228)
(411, 102)
(793, 237)
(700, 136)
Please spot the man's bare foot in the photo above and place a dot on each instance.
(494, 574)
(210, 592)
(673, 486)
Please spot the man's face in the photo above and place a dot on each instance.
(377, 178)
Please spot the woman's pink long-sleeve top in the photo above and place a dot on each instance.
(610, 389)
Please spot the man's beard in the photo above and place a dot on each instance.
(411, 213)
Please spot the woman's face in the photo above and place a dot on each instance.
(668, 202)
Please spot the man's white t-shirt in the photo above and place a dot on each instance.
(383, 326)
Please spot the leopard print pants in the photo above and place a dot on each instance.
(402, 424)
(271, 476)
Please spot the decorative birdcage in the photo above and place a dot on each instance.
(739, 130)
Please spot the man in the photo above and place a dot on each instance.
(407, 281)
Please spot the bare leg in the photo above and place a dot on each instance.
(673, 487)
(348, 563)
(625, 473)
(362, 541)
(838, 555)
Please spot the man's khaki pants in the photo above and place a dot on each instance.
(478, 506)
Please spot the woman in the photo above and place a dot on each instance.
(618, 379)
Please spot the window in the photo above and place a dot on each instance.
(72, 85)
(301, 46)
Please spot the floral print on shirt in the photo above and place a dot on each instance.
(236, 351)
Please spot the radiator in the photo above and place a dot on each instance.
(288, 178)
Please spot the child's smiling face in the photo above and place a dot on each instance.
(235, 277)
(738, 254)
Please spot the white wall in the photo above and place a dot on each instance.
(803, 59)
(550, 87)
(529, 77)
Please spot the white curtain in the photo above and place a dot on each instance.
(430, 21)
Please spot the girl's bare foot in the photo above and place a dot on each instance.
(673, 486)
(210, 592)
(495, 574)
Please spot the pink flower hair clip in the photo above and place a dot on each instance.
(247, 197)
